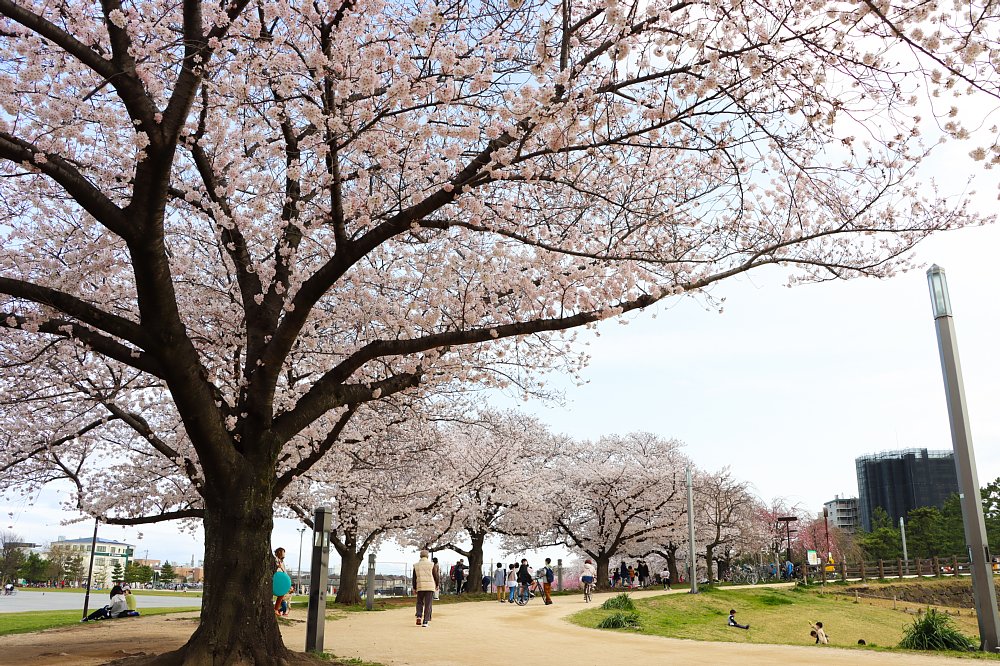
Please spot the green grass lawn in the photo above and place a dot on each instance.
(781, 616)
(137, 592)
(20, 623)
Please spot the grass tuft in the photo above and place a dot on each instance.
(619, 602)
(620, 620)
(935, 631)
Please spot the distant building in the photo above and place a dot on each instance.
(106, 554)
(842, 512)
(189, 574)
(899, 481)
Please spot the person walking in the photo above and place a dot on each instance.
(623, 575)
(459, 576)
(665, 578)
(547, 580)
(437, 577)
(500, 582)
(511, 582)
(425, 581)
(524, 579)
(643, 570)
(280, 601)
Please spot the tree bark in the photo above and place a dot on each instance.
(475, 555)
(708, 563)
(672, 564)
(347, 591)
(603, 566)
(238, 624)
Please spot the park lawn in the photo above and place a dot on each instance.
(104, 591)
(20, 623)
(776, 616)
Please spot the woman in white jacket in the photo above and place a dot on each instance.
(587, 576)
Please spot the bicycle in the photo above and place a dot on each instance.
(588, 589)
(524, 594)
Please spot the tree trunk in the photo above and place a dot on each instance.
(672, 564)
(708, 562)
(238, 624)
(475, 573)
(603, 567)
(347, 592)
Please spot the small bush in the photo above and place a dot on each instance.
(935, 631)
(620, 620)
(619, 602)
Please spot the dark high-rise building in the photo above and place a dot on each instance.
(899, 481)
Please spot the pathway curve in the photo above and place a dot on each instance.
(495, 634)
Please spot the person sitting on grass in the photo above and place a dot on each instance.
(117, 608)
(818, 633)
(734, 623)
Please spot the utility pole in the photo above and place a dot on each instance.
(90, 570)
(691, 556)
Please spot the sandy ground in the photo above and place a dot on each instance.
(480, 634)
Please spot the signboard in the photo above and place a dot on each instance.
(812, 558)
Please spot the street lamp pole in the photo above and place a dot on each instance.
(965, 464)
(691, 554)
(302, 531)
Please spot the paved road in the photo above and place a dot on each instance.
(37, 600)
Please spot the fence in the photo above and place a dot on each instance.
(898, 568)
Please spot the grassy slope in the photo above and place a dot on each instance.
(19, 623)
(779, 616)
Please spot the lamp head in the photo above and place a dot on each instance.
(938, 285)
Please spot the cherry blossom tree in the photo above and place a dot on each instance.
(722, 504)
(392, 479)
(497, 460)
(229, 226)
(616, 496)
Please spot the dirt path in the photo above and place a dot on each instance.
(484, 634)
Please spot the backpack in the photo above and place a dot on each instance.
(550, 575)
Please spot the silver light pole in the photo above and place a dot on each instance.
(691, 556)
(965, 464)
(302, 531)
(902, 533)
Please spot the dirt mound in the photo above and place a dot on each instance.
(950, 592)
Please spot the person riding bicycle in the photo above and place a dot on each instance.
(587, 577)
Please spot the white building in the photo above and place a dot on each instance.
(107, 553)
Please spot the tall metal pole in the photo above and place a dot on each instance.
(90, 571)
(965, 464)
(302, 531)
(319, 572)
(370, 583)
(691, 557)
(902, 533)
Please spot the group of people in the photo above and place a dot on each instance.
(122, 604)
(514, 581)
(627, 575)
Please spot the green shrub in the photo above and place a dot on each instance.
(935, 631)
(620, 620)
(619, 602)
